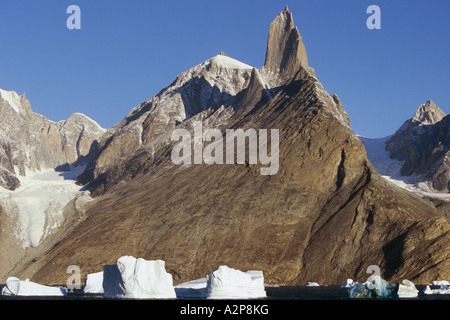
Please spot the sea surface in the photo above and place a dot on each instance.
(280, 303)
(273, 293)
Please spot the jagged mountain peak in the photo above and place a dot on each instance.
(422, 143)
(82, 120)
(205, 85)
(217, 71)
(225, 61)
(285, 49)
(208, 88)
(17, 102)
(31, 142)
(428, 113)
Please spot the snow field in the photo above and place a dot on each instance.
(39, 202)
(390, 169)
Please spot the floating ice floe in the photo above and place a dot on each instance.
(444, 289)
(348, 283)
(17, 287)
(374, 287)
(313, 284)
(440, 283)
(137, 278)
(200, 288)
(229, 283)
(192, 289)
(407, 289)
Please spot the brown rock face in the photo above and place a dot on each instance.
(285, 48)
(325, 216)
(303, 223)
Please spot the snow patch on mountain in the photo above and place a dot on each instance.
(225, 76)
(38, 204)
(390, 169)
(230, 63)
(13, 100)
(210, 85)
(92, 121)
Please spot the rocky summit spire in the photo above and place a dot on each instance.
(285, 49)
(428, 113)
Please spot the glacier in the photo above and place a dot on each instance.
(390, 169)
(39, 201)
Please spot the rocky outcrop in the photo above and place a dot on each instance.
(8, 180)
(285, 49)
(427, 113)
(77, 135)
(325, 216)
(423, 143)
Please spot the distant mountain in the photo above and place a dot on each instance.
(29, 141)
(325, 216)
(39, 161)
(423, 143)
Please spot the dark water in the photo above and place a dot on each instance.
(280, 303)
(323, 293)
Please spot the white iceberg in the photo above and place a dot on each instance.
(440, 283)
(313, 284)
(442, 290)
(137, 278)
(192, 289)
(348, 283)
(94, 283)
(407, 289)
(17, 287)
(229, 283)
(374, 287)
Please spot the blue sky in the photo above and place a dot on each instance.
(127, 51)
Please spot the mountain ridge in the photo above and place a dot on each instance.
(30, 141)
